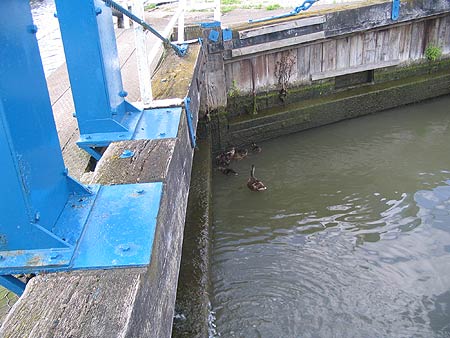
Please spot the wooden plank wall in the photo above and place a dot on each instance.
(402, 43)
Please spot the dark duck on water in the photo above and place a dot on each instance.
(253, 183)
(224, 159)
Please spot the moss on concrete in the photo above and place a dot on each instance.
(174, 75)
(320, 103)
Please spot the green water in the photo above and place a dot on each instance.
(352, 237)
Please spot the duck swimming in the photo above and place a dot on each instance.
(224, 159)
(239, 154)
(227, 171)
(253, 183)
(256, 148)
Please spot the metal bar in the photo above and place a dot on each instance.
(179, 50)
(303, 7)
(93, 65)
(190, 117)
(395, 9)
(13, 284)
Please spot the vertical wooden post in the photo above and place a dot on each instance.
(217, 13)
(145, 81)
(182, 5)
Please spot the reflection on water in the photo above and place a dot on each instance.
(352, 237)
(48, 34)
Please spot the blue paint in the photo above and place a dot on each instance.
(213, 36)
(127, 154)
(395, 9)
(190, 123)
(212, 24)
(13, 284)
(92, 60)
(120, 230)
(303, 7)
(227, 34)
(93, 65)
(50, 222)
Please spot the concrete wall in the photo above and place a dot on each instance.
(128, 302)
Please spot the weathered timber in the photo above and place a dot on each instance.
(361, 68)
(248, 33)
(276, 44)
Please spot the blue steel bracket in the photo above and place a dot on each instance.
(158, 123)
(113, 226)
(213, 36)
(48, 221)
(103, 115)
(395, 9)
(190, 122)
(227, 34)
(303, 7)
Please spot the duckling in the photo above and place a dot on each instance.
(240, 154)
(253, 183)
(256, 148)
(224, 158)
(227, 171)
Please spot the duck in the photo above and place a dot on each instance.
(253, 183)
(256, 148)
(239, 154)
(224, 158)
(227, 171)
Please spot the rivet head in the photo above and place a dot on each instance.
(54, 256)
(123, 93)
(32, 29)
(124, 247)
(98, 10)
(37, 216)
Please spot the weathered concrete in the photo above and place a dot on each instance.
(193, 286)
(340, 105)
(132, 302)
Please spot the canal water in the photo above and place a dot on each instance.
(352, 237)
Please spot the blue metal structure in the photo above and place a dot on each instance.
(48, 221)
(303, 7)
(190, 123)
(395, 9)
(103, 114)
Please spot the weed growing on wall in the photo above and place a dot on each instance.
(283, 72)
(433, 53)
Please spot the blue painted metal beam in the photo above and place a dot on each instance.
(48, 221)
(93, 64)
(13, 284)
(103, 115)
(395, 9)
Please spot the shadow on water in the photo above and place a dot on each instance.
(346, 241)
